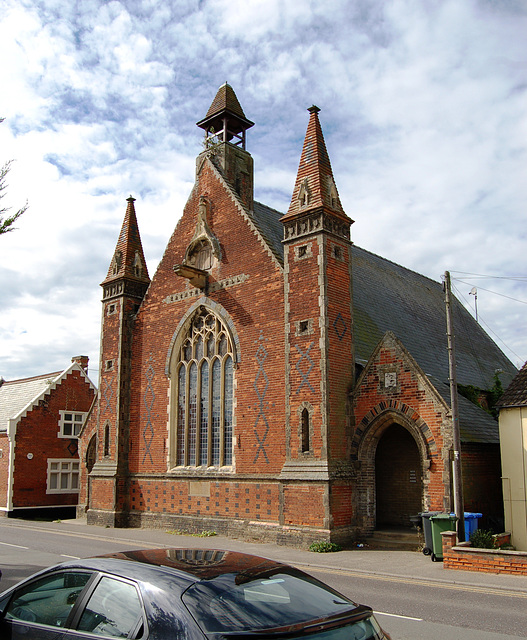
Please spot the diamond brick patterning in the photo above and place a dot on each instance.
(107, 392)
(148, 399)
(340, 326)
(261, 384)
(304, 355)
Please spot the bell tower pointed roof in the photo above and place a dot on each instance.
(315, 186)
(128, 262)
(225, 119)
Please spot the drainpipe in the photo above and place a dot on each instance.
(11, 433)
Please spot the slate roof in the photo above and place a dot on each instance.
(516, 393)
(389, 297)
(267, 221)
(17, 395)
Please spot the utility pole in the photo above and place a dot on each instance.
(474, 292)
(456, 459)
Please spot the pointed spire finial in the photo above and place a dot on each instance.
(128, 261)
(315, 187)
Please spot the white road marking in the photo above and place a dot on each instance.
(6, 544)
(394, 615)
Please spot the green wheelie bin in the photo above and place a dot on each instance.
(439, 523)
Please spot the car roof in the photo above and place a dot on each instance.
(189, 565)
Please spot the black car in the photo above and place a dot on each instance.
(187, 594)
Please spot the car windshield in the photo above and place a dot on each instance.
(281, 603)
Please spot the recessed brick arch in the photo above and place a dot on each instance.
(364, 446)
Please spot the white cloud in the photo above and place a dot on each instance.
(423, 110)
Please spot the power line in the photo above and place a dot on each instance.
(478, 275)
(482, 321)
(493, 292)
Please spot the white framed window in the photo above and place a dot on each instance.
(63, 476)
(70, 424)
(203, 396)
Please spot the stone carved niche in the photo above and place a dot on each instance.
(117, 262)
(138, 265)
(304, 193)
(204, 247)
(203, 251)
(333, 198)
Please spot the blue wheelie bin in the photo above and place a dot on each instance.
(471, 523)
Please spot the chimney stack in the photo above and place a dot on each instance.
(82, 361)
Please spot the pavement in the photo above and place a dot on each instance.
(362, 561)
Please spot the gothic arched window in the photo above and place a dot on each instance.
(204, 379)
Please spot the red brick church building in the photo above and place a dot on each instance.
(272, 379)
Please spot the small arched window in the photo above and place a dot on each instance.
(304, 430)
(204, 380)
(106, 440)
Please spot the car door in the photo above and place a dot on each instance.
(40, 609)
(112, 608)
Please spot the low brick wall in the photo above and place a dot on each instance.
(467, 558)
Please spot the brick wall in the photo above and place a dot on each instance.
(465, 558)
(37, 434)
(243, 287)
(259, 420)
(304, 505)
(393, 390)
(4, 469)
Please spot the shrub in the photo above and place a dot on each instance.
(482, 539)
(324, 547)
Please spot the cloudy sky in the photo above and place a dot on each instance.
(424, 112)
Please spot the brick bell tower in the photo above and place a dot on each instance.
(319, 342)
(123, 290)
(224, 123)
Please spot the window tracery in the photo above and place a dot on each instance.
(204, 395)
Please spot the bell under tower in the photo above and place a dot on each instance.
(225, 127)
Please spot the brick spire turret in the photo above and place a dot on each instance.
(128, 259)
(315, 186)
(124, 288)
(318, 325)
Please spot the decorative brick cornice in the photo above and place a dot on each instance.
(213, 286)
(316, 221)
(123, 287)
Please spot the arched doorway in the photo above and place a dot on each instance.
(398, 478)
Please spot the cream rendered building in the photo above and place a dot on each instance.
(513, 441)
